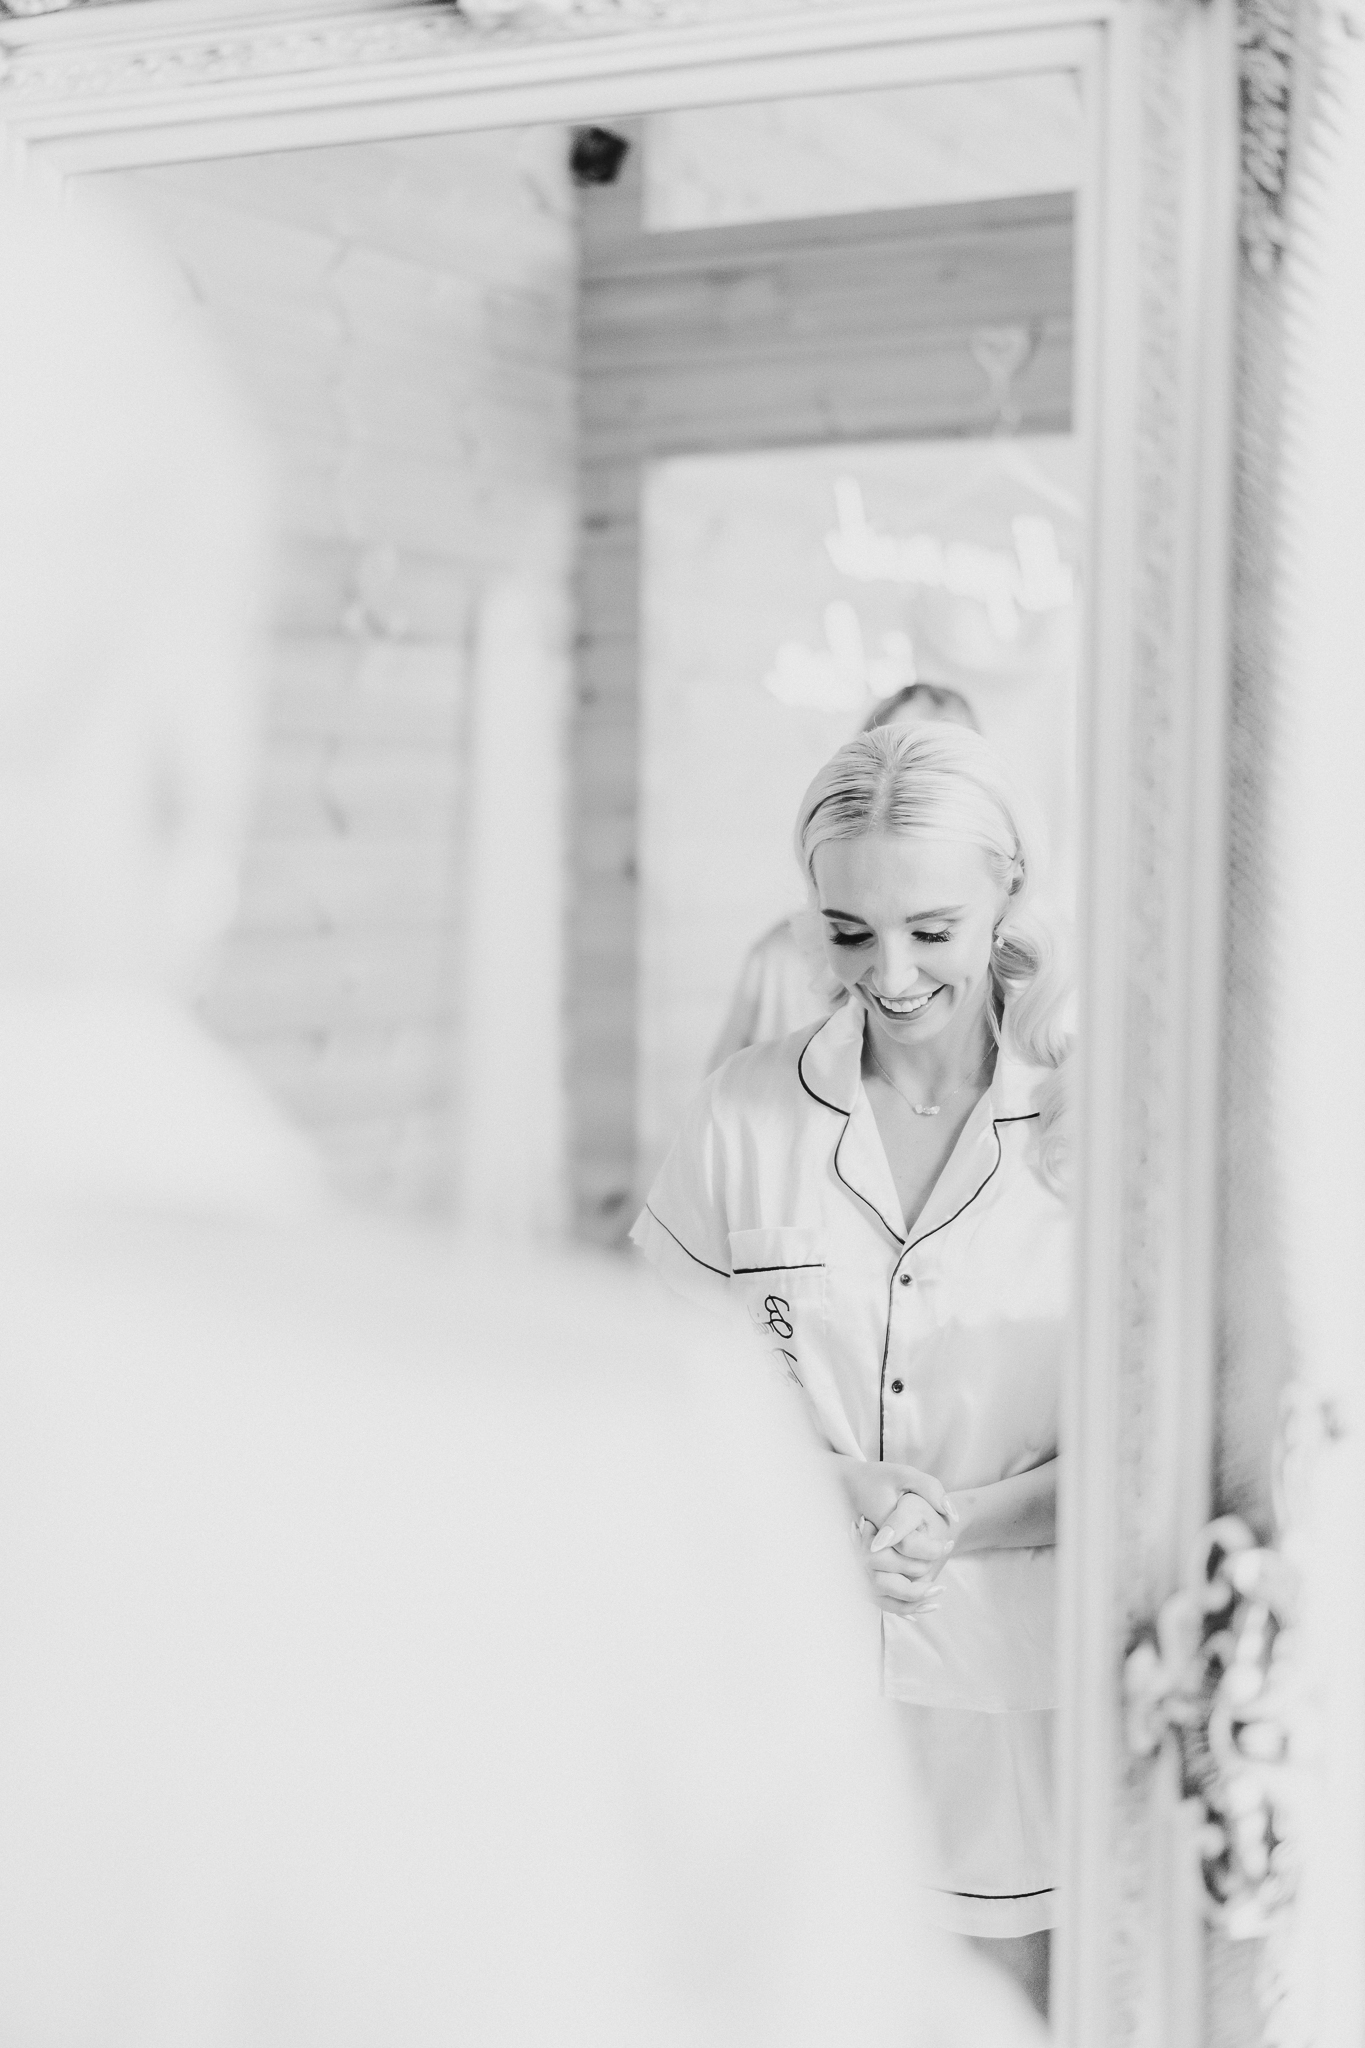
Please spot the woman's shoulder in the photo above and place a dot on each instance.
(761, 1078)
(1016, 1089)
(1029, 1109)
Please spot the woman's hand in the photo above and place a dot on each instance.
(873, 1488)
(905, 1556)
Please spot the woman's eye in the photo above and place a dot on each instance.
(850, 938)
(933, 938)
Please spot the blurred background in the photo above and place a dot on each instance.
(620, 473)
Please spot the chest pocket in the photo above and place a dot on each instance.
(779, 1275)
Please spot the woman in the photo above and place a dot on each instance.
(881, 1195)
(784, 982)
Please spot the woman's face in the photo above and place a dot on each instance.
(908, 925)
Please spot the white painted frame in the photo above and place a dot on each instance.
(157, 81)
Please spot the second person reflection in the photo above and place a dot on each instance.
(882, 1196)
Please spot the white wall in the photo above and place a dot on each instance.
(903, 145)
(403, 315)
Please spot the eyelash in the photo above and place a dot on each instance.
(929, 938)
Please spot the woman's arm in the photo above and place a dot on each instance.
(1011, 1514)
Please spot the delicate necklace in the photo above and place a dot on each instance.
(922, 1108)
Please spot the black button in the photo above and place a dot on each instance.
(906, 1278)
(898, 1386)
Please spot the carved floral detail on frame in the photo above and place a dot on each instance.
(1218, 1676)
(182, 58)
(1221, 1673)
(488, 14)
(1265, 39)
(23, 7)
(589, 14)
(179, 63)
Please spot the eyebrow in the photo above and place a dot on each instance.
(916, 917)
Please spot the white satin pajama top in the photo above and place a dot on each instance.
(941, 1349)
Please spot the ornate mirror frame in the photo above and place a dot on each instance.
(155, 81)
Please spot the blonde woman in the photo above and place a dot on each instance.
(881, 1195)
(784, 982)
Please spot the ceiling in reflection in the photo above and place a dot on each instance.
(920, 145)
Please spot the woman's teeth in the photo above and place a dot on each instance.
(905, 1008)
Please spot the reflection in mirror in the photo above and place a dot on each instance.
(827, 456)
(626, 477)
(835, 578)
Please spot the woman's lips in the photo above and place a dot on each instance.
(905, 1006)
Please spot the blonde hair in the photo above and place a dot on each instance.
(942, 781)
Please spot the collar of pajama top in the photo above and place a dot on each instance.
(940, 1349)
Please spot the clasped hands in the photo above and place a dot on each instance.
(904, 1527)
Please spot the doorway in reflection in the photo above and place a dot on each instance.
(825, 374)
(833, 578)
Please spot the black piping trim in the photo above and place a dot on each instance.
(1044, 1892)
(847, 1115)
(884, 1221)
(881, 1377)
(798, 1266)
(838, 1108)
(913, 1245)
(683, 1248)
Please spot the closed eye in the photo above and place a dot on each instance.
(850, 938)
(933, 938)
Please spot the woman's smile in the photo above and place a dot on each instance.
(902, 1006)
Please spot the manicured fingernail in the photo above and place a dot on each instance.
(883, 1540)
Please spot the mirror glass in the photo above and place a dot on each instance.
(625, 473)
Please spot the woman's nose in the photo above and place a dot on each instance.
(897, 966)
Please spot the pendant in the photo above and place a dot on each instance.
(926, 1108)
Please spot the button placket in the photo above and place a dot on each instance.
(906, 1279)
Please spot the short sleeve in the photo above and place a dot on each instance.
(683, 1229)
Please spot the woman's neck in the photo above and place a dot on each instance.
(942, 1064)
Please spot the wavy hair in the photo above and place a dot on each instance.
(942, 781)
